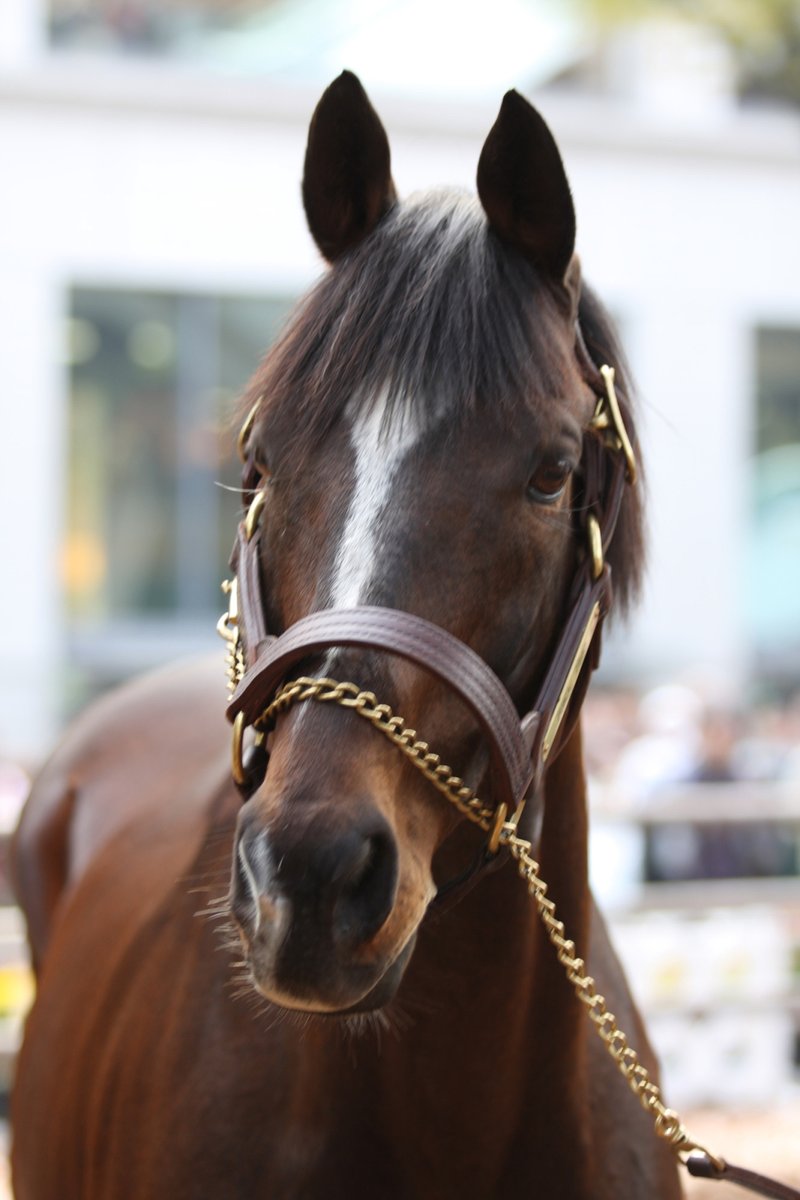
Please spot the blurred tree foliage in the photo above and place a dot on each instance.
(764, 35)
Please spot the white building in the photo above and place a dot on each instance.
(151, 233)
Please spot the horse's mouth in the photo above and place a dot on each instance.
(385, 989)
(342, 991)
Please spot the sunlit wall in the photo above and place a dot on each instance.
(152, 238)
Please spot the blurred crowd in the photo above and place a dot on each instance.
(676, 734)
(678, 745)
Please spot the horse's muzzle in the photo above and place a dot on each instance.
(310, 899)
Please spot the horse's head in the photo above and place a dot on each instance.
(418, 439)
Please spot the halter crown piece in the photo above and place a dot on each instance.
(258, 664)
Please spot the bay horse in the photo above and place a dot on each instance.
(428, 489)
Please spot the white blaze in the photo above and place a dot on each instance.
(380, 449)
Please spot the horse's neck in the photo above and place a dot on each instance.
(489, 1010)
(494, 935)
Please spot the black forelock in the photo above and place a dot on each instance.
(431, 310)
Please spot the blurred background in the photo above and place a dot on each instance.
(151, 243)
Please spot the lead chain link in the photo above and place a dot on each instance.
(667, 1123)
(419, 753)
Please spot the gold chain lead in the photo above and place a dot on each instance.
(668, 1124)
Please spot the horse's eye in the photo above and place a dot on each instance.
(548, 481)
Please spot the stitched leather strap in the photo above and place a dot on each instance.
(703, 1168)
(421, 642)
(246, 564)
(597, 593)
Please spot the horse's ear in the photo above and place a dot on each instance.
(347, 181)
(524, 190)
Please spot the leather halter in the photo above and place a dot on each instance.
(519, 748)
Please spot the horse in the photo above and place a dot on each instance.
(308, 975)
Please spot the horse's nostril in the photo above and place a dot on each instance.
(366, 889)
(345, 878)
(250, 870)
(351, 869)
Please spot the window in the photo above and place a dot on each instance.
(774, 566)
(144, 26)
(152, 499)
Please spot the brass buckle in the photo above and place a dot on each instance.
(607, 416)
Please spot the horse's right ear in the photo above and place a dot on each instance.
(347, 180)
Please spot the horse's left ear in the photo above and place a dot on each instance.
(347, 179)
(524, 190)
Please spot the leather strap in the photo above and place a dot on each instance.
(593, 593)
(421, 642)
(702, 1167)
(246, 563)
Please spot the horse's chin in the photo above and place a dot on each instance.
(385, 989)
(378, 994)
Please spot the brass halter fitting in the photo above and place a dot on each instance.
(237, 751)
(570, 680)
(254, 513)
(246, 430)
(608, 418)
(493, 845)
(228, 630)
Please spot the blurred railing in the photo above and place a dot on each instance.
(711, 947)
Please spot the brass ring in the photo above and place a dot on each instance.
(618, 423)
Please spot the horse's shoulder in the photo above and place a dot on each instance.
(131, 753)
